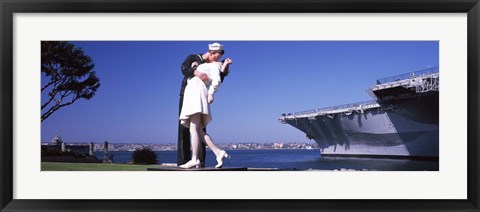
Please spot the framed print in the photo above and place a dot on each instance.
(285, 57)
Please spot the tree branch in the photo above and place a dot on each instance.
(50, 100)
(52, 77)
(54, 93)
(54, 82)
(56, 107)
(47, 85)
(53, 108)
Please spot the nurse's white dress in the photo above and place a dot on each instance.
(195, 97)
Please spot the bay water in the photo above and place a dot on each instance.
(292, 159)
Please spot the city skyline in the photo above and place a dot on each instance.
(137, 101)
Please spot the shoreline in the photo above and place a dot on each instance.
(173, 147)
(171, 150)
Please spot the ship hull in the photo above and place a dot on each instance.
(373, 132)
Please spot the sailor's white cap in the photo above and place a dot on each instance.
(215, 46)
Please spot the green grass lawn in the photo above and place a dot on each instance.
(50, 166)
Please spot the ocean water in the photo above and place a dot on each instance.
(293, 159)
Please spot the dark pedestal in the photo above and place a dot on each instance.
(176, 168)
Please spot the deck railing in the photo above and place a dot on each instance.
(332, 108)
(419, 73)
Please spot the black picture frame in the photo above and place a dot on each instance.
(9, 7)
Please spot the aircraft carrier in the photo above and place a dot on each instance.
(401, 122)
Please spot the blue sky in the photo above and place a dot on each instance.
(137, 101)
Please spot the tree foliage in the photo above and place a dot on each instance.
(45, 151)
(144, 156)
(69, 73)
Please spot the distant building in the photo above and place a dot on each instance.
(57, 140)
(79, 149)
(278, 145)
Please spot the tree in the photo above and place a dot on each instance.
(70, 73)
(144, 156)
